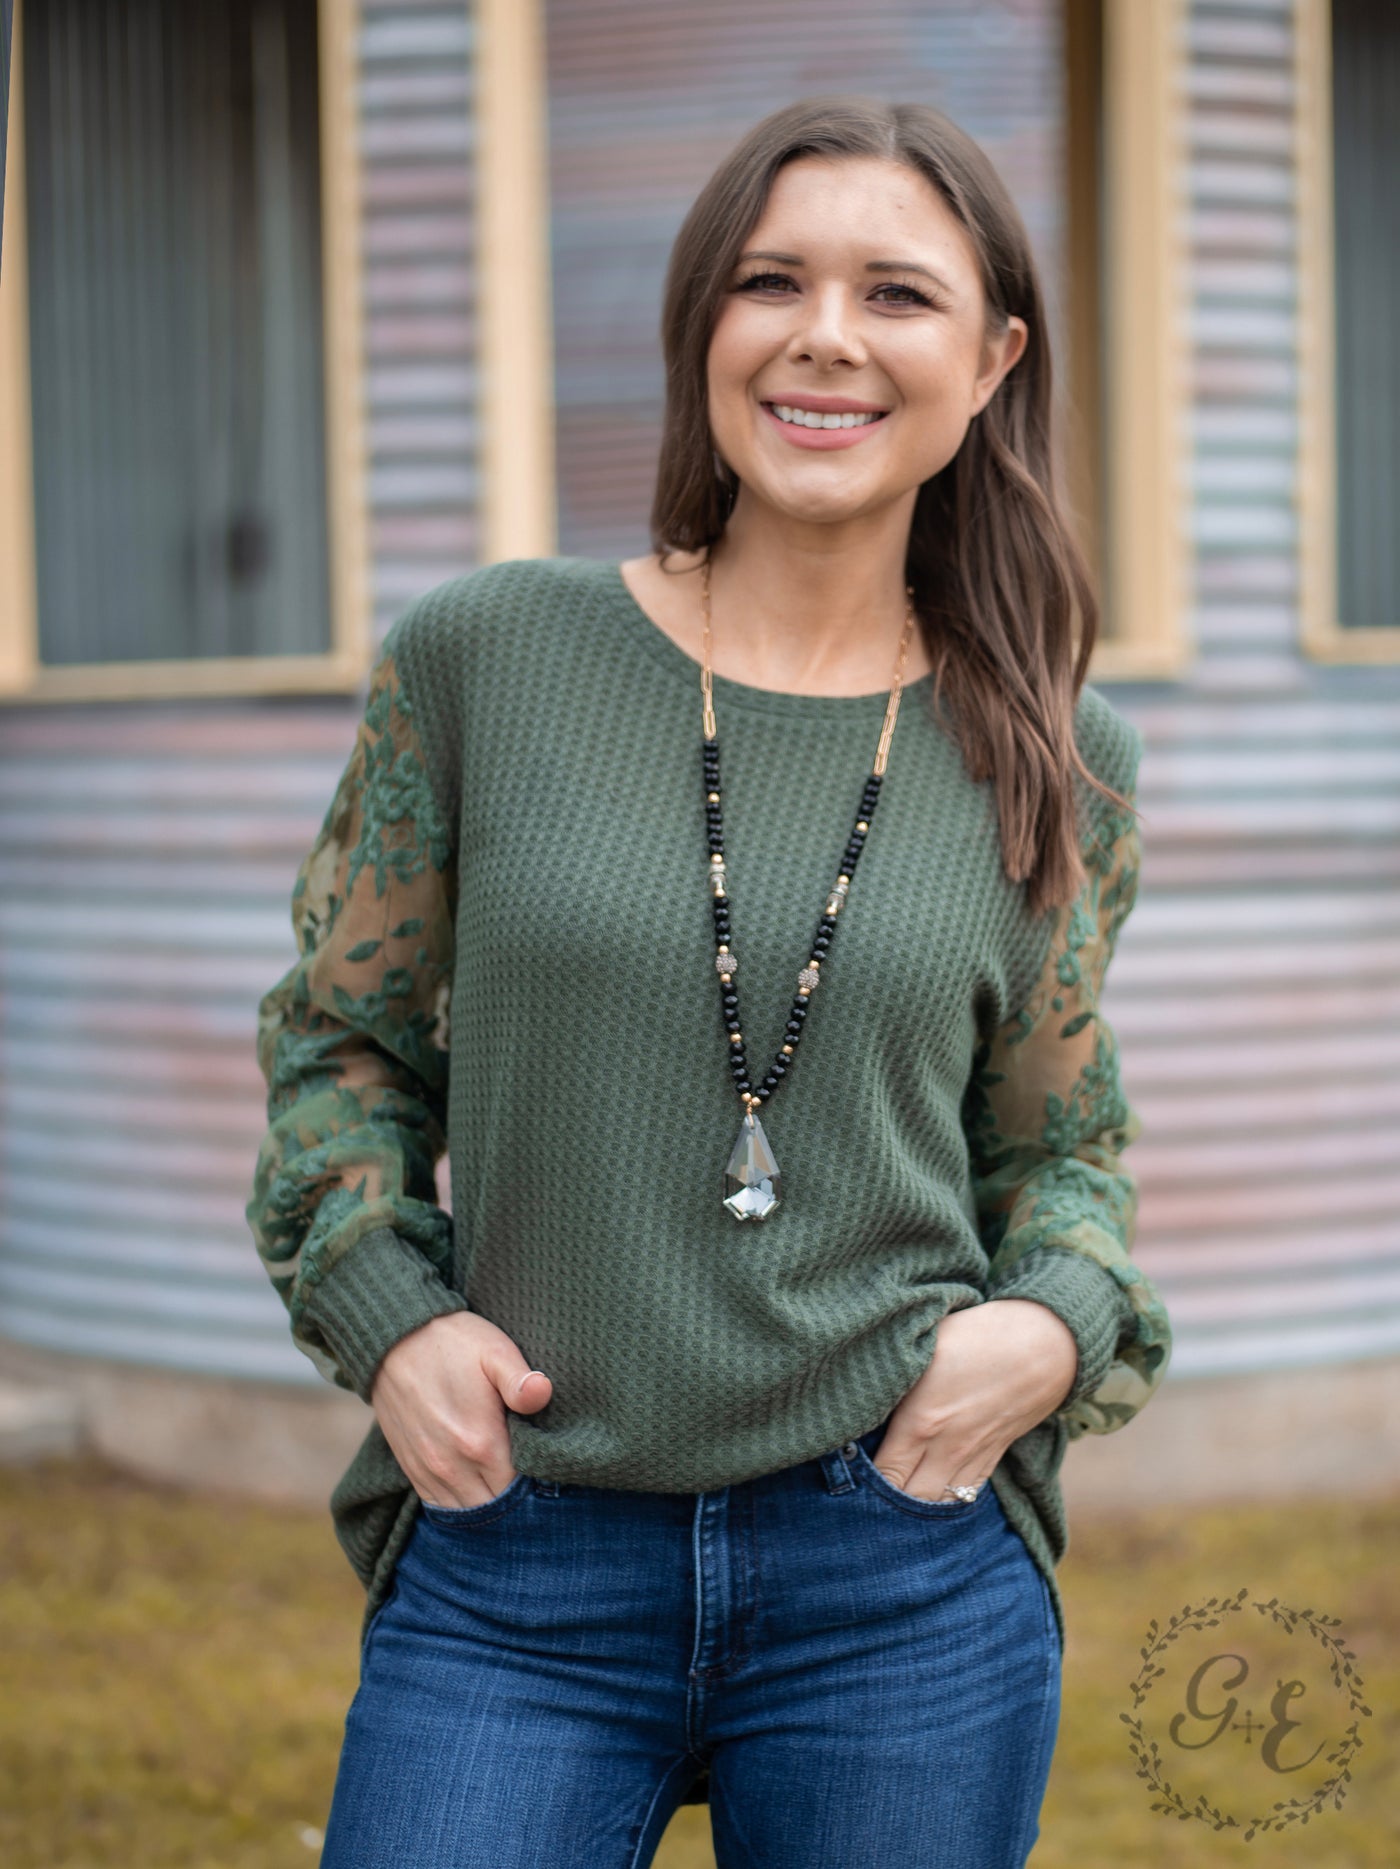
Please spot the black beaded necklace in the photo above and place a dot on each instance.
(751, 1178)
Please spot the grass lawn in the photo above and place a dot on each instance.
(174, 1674)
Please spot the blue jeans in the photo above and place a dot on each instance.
(869, 1678)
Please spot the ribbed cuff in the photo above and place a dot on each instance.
(374, 1295)
(1082, 1294)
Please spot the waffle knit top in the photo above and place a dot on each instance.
(506, 951)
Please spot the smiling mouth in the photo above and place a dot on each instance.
(798, 417)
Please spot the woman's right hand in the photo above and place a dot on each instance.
(440, 1396)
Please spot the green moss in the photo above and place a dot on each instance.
(175, 1671)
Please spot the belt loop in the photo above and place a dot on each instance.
(547, 1489)
(835, 1469)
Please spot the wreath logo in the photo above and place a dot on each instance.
(1210, 1704)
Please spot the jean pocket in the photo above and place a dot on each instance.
(869, 1475)
(463, 1518)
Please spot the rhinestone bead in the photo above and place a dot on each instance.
(809, 978)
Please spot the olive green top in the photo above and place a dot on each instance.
(507, 951)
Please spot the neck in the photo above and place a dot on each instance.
(812, 608)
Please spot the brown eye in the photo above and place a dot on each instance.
(913, 295)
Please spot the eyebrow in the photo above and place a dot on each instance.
(872, 266)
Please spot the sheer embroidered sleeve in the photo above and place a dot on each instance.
(353, 1045)
(1047, 1121)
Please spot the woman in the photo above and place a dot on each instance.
(717, 1432)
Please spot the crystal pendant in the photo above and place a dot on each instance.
(751, 1180)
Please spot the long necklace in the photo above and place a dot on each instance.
(751, 1179)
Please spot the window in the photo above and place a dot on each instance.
(178, 516)
(1123, 350)
(1348, 68)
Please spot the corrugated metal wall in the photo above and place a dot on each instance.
(1257, 988)
(419, 239)
(643, 102)
(147, 852)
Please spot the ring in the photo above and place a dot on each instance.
(966, 1493)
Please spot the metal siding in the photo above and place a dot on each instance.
(1256, 988)
(643, 102)
(419, 237)
(146, 858)
(148, 852)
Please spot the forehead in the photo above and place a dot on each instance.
(832, 208)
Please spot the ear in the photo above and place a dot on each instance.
(1000, 354)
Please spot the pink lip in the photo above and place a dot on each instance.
(824, 437)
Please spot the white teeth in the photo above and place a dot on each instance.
(811, 418)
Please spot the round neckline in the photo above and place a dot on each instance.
(728, 692)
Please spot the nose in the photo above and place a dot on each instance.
(827, 331)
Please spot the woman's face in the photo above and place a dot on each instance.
(857, 301)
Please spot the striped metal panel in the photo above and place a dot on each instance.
(147, 852)
(1256, 989)
(644, 101)
(416, 74)
(146, 860)
(1257, 986)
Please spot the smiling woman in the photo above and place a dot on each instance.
(823, 341)
(652, 1510)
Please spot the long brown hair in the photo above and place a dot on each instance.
(996, 572)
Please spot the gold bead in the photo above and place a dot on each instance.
(715, 857)
(862, 824)
(736, 1038)
(788, 1049)
(724, 947)
(802, 992)
(843, 877)
(713, 797)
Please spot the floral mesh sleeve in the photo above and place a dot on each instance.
(1046, 1121)
(353, 1045)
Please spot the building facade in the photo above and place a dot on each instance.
(305, 308)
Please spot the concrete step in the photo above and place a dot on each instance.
(35, 1423)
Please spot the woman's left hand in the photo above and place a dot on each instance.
(998, 1369)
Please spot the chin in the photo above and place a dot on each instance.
(831, 507)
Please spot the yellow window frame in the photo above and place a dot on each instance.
(1323, 636)
(23, 676)
(1127, 363)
